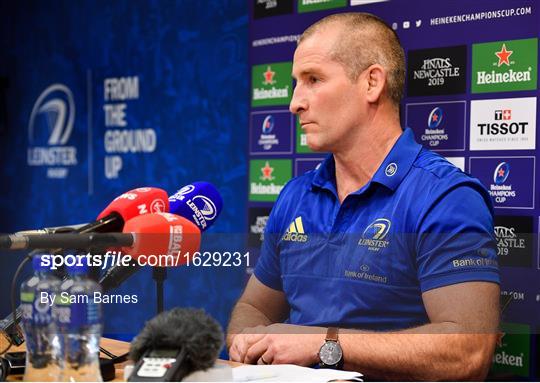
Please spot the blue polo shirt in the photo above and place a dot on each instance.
(420, 223)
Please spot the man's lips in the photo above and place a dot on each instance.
(304, 124)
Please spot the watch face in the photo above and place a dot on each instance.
(330, 353)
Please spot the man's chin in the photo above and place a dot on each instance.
(317, 147)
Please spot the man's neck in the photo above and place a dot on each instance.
(356, 165)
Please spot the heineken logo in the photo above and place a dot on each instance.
(513, 350)
(269, 76)
(508, 360)
(505, 66)
(267, 172)
(272, 84)
(509, 77)
(319, 5)
(503, 56)
(267, 178)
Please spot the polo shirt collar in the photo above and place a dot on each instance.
(394, 168)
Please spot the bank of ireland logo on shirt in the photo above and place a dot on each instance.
(505, 66)
(267, 178)
(375, 235)
(295, 232)
(271, 84)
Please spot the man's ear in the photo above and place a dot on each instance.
(375, 76)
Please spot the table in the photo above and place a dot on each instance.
(117, 347)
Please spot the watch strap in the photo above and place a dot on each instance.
(332, 334)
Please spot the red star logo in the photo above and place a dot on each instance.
(501, 172)
(267, 171)
(503, 56)
(435, 118)
(269, 76)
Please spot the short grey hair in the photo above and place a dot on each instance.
(366, 40)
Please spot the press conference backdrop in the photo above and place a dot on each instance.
(471, 95)
(100, 97)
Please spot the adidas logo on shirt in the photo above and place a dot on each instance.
(295, 232)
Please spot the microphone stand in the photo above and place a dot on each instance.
(159, 274)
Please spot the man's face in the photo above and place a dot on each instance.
(328, 103)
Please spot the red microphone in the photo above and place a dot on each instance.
(163, 234)
(134, 203)
(158, 239)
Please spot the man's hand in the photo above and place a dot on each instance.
(243, 341)
(278, 344)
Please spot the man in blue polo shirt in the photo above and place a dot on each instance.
(383, 259)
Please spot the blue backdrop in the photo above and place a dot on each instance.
(184, 64)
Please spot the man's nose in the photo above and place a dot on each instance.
(298, 102)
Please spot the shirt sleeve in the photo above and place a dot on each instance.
(456, 241)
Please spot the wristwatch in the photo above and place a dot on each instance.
(330, 353)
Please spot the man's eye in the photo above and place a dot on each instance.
(313, 79)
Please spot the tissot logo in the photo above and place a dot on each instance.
(515, 240)
(265, 8)
(295, 232)
(49, 130)
(503, 124)
(436, 71)
(374, 235)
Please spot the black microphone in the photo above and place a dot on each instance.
(196, 337)
(65, 240)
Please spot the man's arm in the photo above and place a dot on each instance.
(259, 305)
(458, 344)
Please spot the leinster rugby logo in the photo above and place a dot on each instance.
(374, 235)
(49, 130)
(203, 209)
(181, 194)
